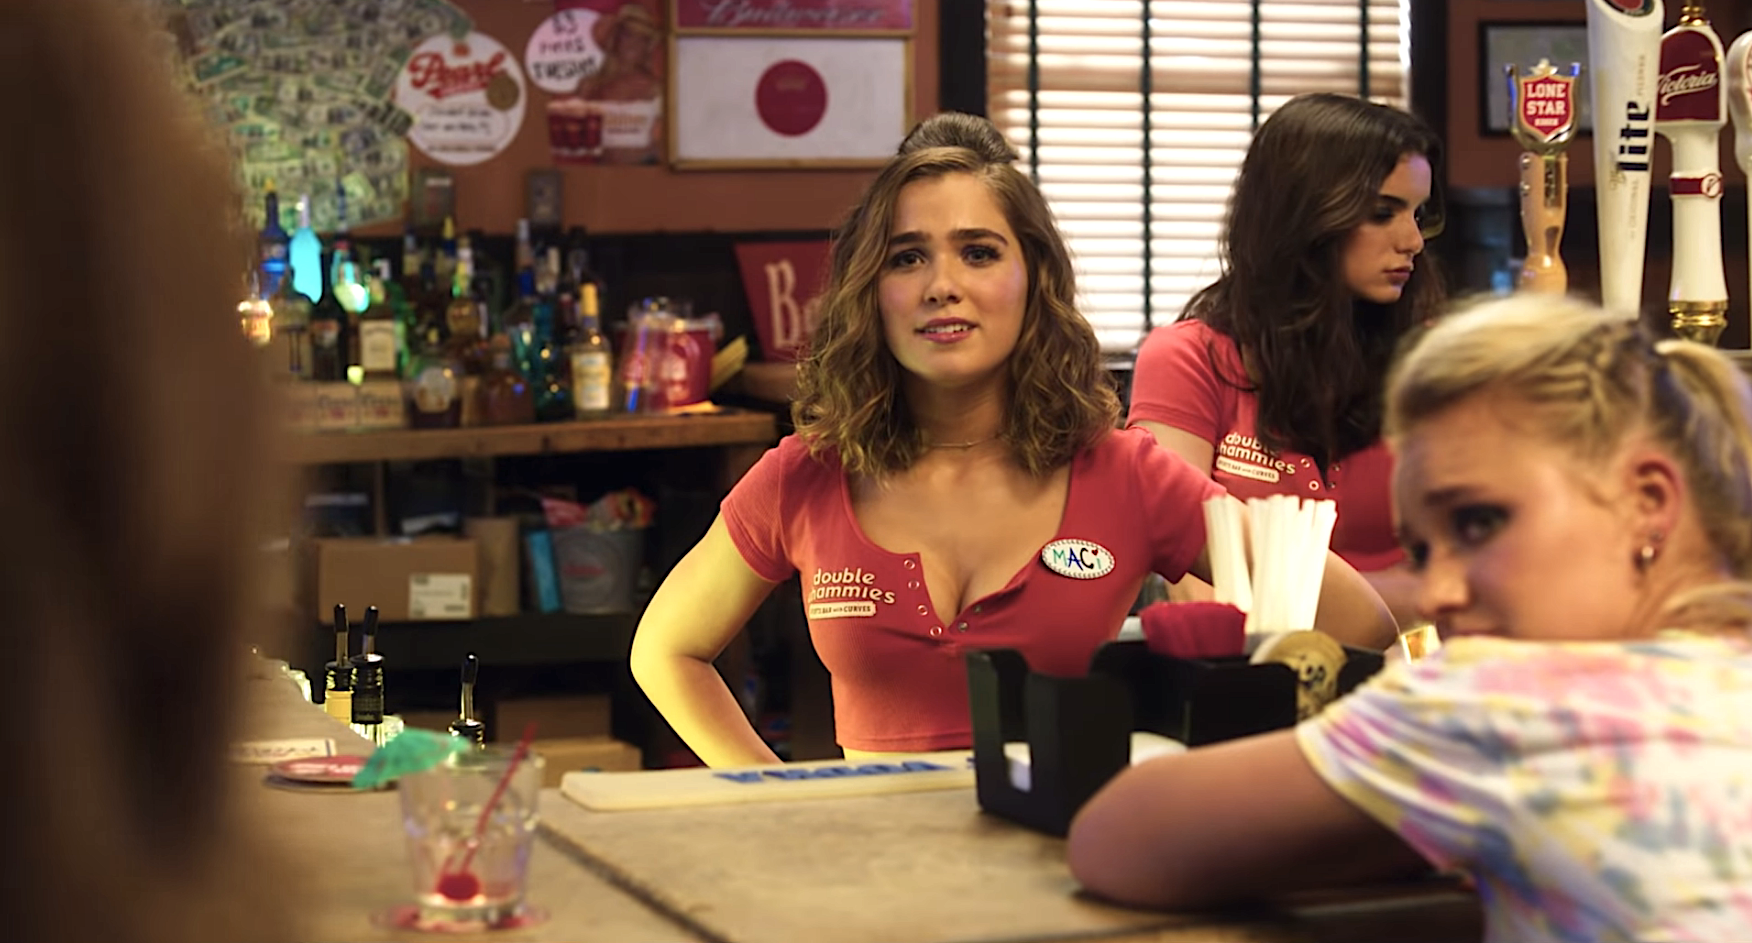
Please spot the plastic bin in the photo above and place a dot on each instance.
(598, 569)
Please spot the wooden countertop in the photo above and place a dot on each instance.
(930, 867)
(617, 434)
(352, 861)
(924, 867)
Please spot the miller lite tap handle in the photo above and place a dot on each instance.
(1624, 54)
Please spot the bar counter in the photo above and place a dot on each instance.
(919, 867)
(352, 862)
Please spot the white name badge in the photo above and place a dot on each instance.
(1077, 559)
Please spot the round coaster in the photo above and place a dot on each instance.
(407, 917)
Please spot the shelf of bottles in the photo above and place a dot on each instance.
(423, 352)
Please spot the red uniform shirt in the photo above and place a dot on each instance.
(899, 680)
(1174, 384)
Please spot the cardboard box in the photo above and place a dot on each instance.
(566, 718)
(381, 406)
(300, 402)
(435, 578)
(571, 755)
(337, 406)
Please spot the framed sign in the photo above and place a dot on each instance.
(804, 16)
(789, 83)
(788, 102)
(1522, 45)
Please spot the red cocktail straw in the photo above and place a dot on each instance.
(460, 884)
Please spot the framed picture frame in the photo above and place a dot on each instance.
(1522, 44)
(793, 16)
(788, 101)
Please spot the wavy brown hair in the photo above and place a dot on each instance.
(1312, 175)
(135, 491)
(848, 386)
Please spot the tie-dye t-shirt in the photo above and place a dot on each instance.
(1594, 791)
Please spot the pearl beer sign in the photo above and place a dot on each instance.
(466, 96)
(1545, 110)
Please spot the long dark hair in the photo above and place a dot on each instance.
(1311, 176)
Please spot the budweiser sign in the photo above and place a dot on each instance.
(431, 73)
(813, 15)
(1690, 84)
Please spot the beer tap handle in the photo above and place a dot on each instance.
(1739, 60)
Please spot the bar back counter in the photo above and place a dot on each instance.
(910, 867)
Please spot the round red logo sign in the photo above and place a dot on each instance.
(791, 97)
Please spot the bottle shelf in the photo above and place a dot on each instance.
(618, 434)
(529, 638)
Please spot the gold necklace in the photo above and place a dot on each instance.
(963, 446)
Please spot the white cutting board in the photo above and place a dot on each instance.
(819, 779)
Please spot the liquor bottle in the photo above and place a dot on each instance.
(466, 725)
(553, 312)
(444, 256)
(463, 316)
(381, 334)
(344, 281)
(504, 396)
(275, 244)
(433, 384)
(305, 253)
(291, 327)
(412, 261)
(328, 350)
(337, 699)
(429, 300)
(255, 314)
(518, 323)
(592, 360)
(525, 257)
(367, 700)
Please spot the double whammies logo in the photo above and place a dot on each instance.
(1245, 456)
(845, 593)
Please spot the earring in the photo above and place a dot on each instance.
(1645, 557)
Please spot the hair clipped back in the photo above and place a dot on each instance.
(955, 129)
(1588, 380)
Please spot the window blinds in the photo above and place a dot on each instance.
(1137, 153)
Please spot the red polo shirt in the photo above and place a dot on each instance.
(1174, 384)
(899, 681)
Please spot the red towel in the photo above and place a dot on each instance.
(1194, 629)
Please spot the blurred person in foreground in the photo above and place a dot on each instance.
(954, 424)
(1575, 498)
(132, 485)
